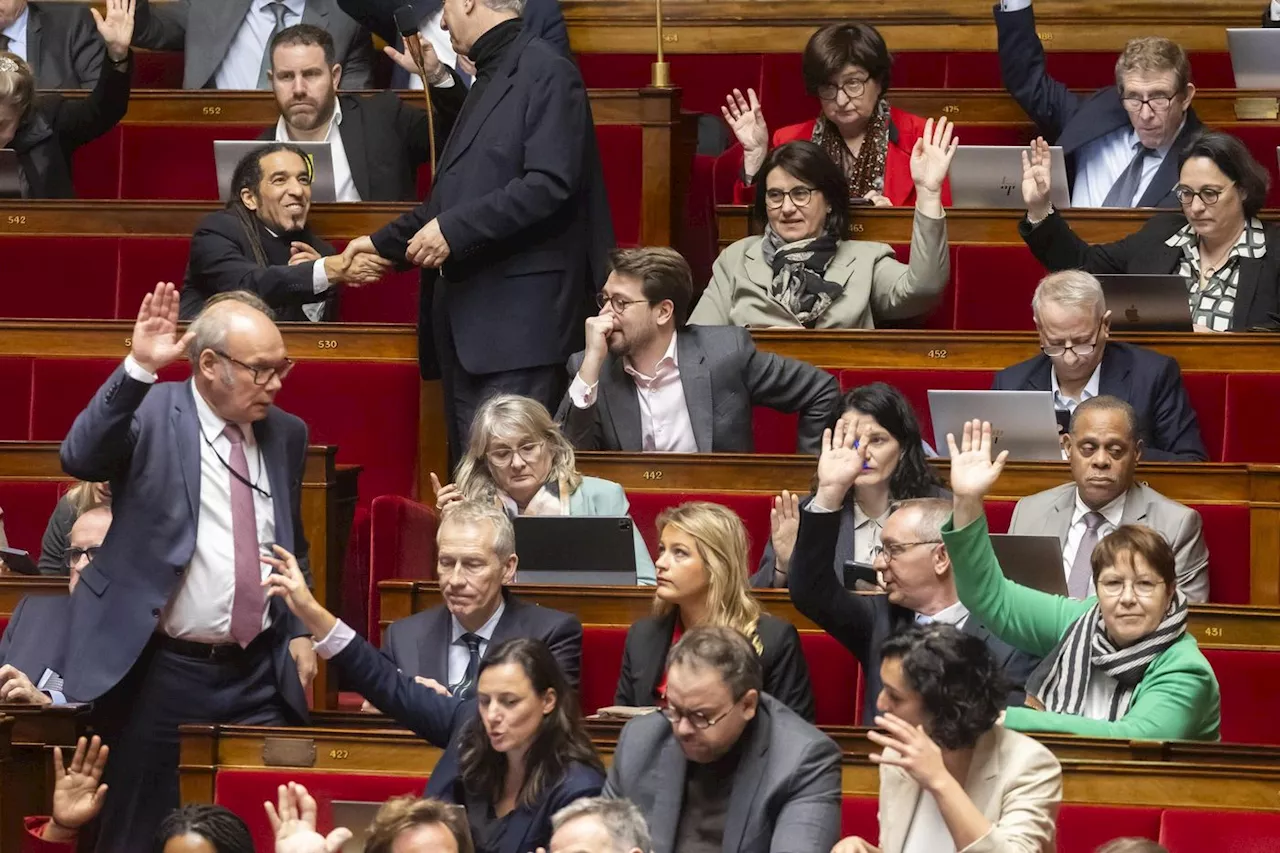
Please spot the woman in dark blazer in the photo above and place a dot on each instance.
(513, 756)
(1229, 257)
(45, 130)
(702, 580)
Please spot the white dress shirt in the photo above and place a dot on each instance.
(435, 35)
(1275, 10)
(200, 608)
(243, 63)
(17, 33)
(1014, 5)
(867, 532)
(955, 615)
(1063, 403)
(664, 414)
(928, 831)
(1100, 164)
(1112, 512)
(343, 183)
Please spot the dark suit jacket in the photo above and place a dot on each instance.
(542, 18)
(419, 644)
(222, 260)
(64, 49)
(644, 662)
(724, 376)
(1147, 380)
(214, 23)
(386, 141)
(36, 636)
(442, 720)
(1266, 18)
(57, 126)
(1059, 248)
(520, 198)
(1065, 118)
(145, 440)
(862, 622)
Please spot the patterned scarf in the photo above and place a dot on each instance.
(865, 172)
(1061, 681)
(798, 269)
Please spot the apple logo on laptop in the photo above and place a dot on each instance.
(1131, 314)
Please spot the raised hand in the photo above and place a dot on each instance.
(912, 750)
(77, 794)
(288, 582)
(932, 155)
(844, 452)
(293, 820)
(1037, 179)
(746, 120)
(155, 342)
(431, 64)
(784, 524)
(116, 28)
(973, 471)
(445, 494)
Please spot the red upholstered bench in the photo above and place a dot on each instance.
(1227, 535)
(51, 277)
(1199, 830)
(244, 792)
(1247, 681)
(15, 379)
(1083, 828)
(752, 508)
(837, 680)
(402, 544)
(27, 506)
(915, 385)
(621, 153)
(993, 287)
(860, 816)
(602, 647)
(1250, 435)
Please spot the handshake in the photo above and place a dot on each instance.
(354, 268)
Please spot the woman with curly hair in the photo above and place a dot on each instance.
(951, 776)
(896, 470)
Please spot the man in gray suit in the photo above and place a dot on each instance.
(1103, 448)
(647, 382)
(59, 41)
(726, 766)
(231, 38)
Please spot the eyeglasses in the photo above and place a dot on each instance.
(851, 88)
(1158, 104)
(799, 197)
(894, 550)
(530, 452)
(1208, 195)
(617, 303)
(1114, 588)
(262, 375)
(74, 555)
(697, 719)
(1059, 350)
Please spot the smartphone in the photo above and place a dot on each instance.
(855, 571)
(18, 561)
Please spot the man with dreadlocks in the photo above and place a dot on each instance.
(261, 243)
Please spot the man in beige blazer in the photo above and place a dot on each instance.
(1104, 449)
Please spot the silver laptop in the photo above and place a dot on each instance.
(578, 550)
(1147, 303)
(227, 154)
(1031, 561)
(991, 176)
(10, 181)
(1022, 422)
(1255, 57)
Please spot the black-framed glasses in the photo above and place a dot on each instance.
(616, 303)
(851, 89)
(894, 550)
(262, 375)
(799, 196)
(697, 719)
(1209, 195)
(1158, 104)
(1059, 350)
(74, 555)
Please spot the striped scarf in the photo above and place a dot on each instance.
(1061, 681)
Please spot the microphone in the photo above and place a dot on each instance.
(407, 23)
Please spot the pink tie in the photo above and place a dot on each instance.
(249, 601)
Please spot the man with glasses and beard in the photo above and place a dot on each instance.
(260, 242)
(1079, 362)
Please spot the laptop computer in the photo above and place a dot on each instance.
(1147, 303)
(991, 176)
(578, 550)
(1031, 561)
(1022, 422)
(227, 154)
(10, 182)
(1255, 57)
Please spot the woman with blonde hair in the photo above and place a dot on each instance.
(78, 500)
(702, 580)
(518, 457)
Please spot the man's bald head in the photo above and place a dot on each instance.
(237, 355)
(87, 534)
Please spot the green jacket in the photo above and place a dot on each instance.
(1177, 699)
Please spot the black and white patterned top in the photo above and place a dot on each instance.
(1214, 304)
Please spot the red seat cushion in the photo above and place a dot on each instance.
(392, 300)
(15, 379)
(752, 508)
(1247, 682)
(174, 161)
(980, 271)
(244, 792)
(46, 277)
(95, 166)
(915, 386)
(143, 262)
(1198, 830)
(602, 647)
(62, 387)
(1250, 433)
(1227, 536)
(999, 514)
(27, 506)
(1208, 395)
(402, 544)
(836, 677)
(1083, 828)
(860, 816)
(774, 431)
(621, 155)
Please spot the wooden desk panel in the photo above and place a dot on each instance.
(27, 777)
(1214, 107)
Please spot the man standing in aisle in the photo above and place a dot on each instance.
(514, 237)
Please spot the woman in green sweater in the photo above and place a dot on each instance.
(1118, 665)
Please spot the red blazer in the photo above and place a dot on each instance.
(33, 843)
(904, 130)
